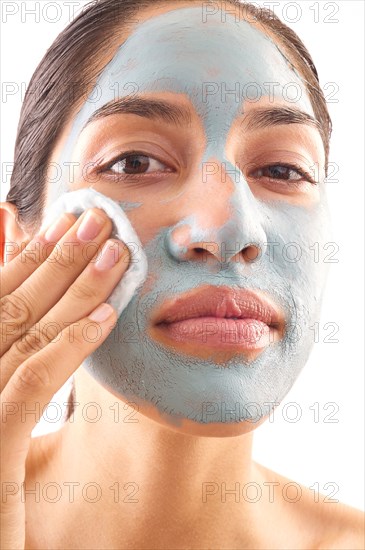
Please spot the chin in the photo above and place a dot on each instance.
(213, 429)
(186, 426)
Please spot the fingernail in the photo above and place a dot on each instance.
(57, 229)
(90, 226)
(101, 313)
(111, 253)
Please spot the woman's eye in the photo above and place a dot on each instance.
(282, 172)
(134, 164)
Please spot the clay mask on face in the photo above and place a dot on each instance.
(179, 52)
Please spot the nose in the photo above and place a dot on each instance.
(224, 227)
(182, 245)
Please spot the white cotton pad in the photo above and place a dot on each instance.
(76, 202)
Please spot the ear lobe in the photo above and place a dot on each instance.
(12, 236)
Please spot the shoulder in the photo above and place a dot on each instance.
(327, 523)
(345, 526)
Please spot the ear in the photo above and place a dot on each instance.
(12, 237)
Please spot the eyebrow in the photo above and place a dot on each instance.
(264, 118)
(154, 109)
(180, 115)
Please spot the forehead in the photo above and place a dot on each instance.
(214, 59)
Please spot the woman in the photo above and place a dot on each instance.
(205, 123)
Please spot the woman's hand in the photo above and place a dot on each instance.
(49, 294)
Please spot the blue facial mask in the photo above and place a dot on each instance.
(179, 52)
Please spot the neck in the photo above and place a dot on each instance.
(175, 479)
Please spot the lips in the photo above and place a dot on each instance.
(217, 323)
(221, 303)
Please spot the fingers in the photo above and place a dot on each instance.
(34, 383)
(30, 389)
(92, 287)
(14, 273)
(48, 283)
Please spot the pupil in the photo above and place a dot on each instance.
(279, 171)
(134, 163)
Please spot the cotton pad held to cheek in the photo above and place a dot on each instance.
(76, 202)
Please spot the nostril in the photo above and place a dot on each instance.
(251, 252)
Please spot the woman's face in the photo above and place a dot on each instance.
(225, 190)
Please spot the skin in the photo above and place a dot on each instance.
(171, 511)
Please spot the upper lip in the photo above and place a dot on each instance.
(220, 302)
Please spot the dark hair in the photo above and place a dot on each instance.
(72, 64)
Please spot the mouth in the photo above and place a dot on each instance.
(218, 319)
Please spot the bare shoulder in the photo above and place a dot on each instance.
(344, 527)
(328, 523)
(350, 524)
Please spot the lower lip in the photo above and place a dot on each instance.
(219, 332)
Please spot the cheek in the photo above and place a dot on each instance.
(145, 220)
(295, 236)
(147, 223)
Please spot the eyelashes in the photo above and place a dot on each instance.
(282, 172)
(131, 160)
(136, 166)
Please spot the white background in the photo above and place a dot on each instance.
(312, 449)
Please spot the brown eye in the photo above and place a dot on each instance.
(135, 164)
(282, 172)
